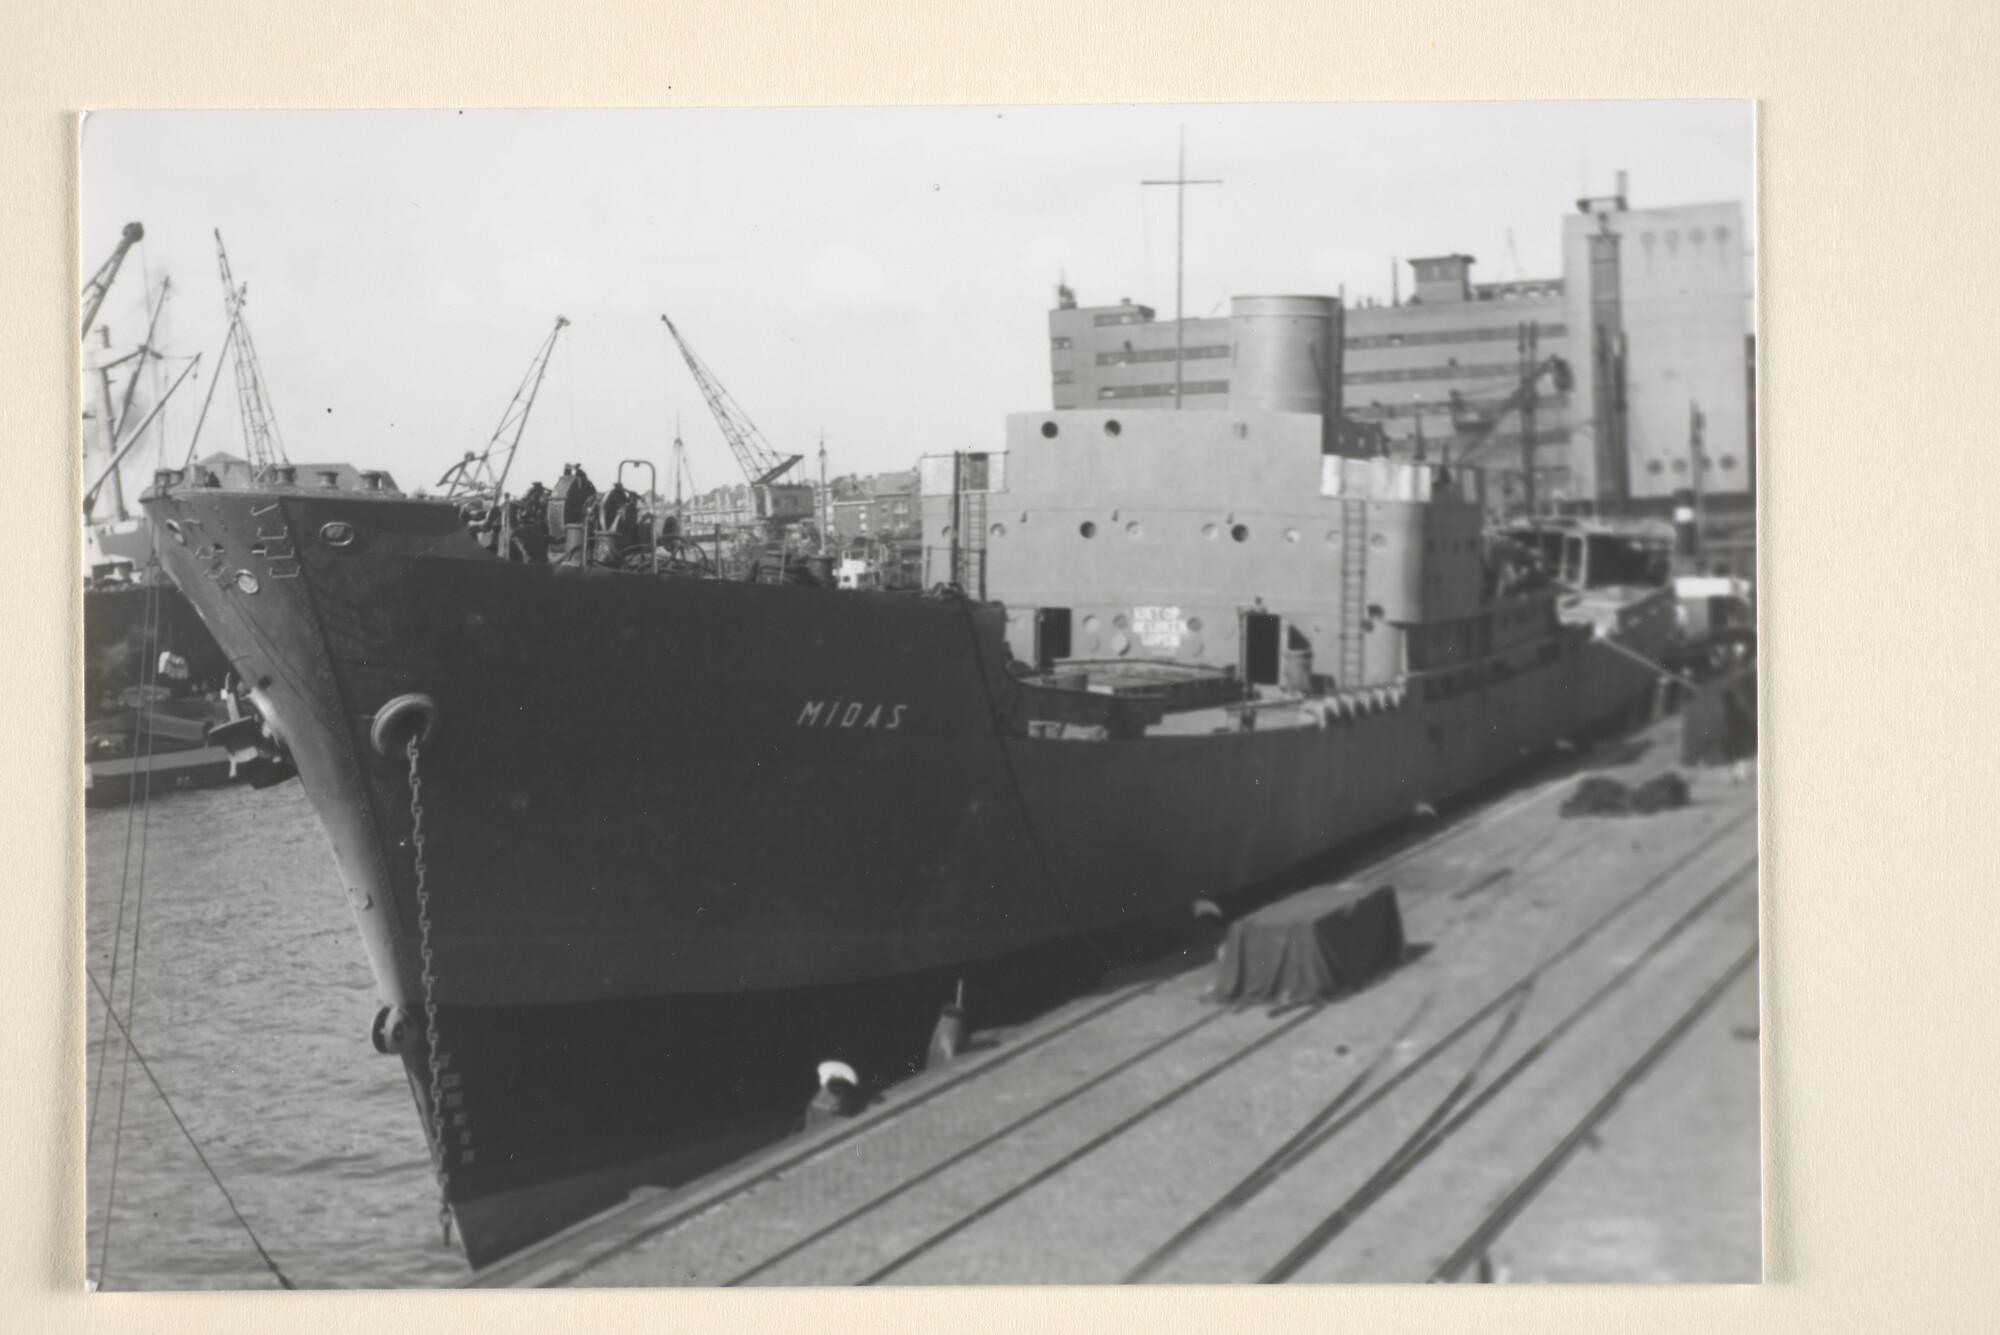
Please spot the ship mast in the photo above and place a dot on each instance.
(680, 471)
(825, 500)
(1180, 183)
(260, 429)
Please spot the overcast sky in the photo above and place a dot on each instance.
(881, 275)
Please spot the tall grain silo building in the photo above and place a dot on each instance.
(1650, 322)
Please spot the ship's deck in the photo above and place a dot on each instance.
(1560, 1084)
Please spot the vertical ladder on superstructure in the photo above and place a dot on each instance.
(972, 544)
(1353, 590)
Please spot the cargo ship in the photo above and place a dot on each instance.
(632, 850)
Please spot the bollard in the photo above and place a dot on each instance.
(948, 1039)
(839, 1095)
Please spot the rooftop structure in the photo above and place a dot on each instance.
(1650, 317)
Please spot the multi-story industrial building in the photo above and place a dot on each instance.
(1606, 366)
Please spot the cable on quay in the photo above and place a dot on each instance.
(822, 1147)
(1280, 1159)
(1319, 1129)
(1102, 1138)
(1483, 821)
(1399, 1165)
(696, 1209)
(1511, 1205)
(992, 1138)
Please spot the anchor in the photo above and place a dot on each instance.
(255, 753)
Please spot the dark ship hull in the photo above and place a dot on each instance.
(685, 838)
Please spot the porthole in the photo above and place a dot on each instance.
(1291, 535)
(945, 532)
(998, 531)
(336, 533)
(1194, 624)
(1121, 643)
(1118, 622)
(1111, 427)
(1240, 532)
(246, 581)
(1378, 540)
(1049, 429)
(180, 534)
(1208, 531)
(1087, 528)
(1090, 622)
(1728, 462)
(1132, 529)
(1653, 467)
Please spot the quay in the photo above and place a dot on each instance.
(1559, 1082)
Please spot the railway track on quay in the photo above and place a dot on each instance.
(1148, 1135)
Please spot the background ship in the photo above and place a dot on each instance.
(151, 670)
(631, 852)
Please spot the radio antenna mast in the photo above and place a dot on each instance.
(1180, 183)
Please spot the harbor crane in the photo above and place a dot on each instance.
(1473, 427)
(474, 475)
(100, 282)
(112, 423)
(260, 429)
(773, 503)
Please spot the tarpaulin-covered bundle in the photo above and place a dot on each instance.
(1312, 946)
(1600, 796)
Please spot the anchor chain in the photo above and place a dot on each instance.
(438, 1061)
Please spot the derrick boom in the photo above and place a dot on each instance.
(474, 475)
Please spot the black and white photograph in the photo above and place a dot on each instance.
(974, 695)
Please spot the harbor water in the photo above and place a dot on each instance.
(252, 1011)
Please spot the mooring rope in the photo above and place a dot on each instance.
(1000, 736)
(149, 637)
(143, 788)
(133, 1049)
